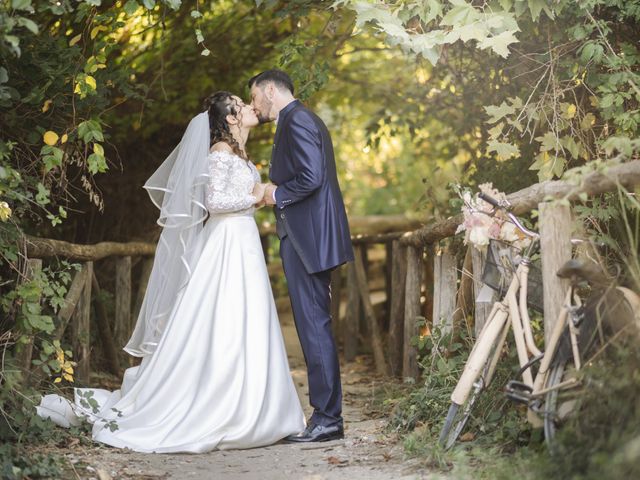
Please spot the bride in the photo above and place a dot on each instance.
(214, 371)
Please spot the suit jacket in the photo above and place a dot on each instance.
(309, 206)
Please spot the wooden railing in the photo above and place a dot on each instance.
(85, 289)
(415, 277)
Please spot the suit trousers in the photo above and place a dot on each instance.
(310, 296)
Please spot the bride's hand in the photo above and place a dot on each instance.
(258, 192)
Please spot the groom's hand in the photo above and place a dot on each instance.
(268, 198)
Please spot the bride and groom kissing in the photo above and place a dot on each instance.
(214, 372)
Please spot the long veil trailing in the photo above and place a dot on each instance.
(178, 189)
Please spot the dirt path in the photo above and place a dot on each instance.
(365, 453)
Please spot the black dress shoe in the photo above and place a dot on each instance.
(317, 433)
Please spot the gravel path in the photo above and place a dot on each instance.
(367, 452)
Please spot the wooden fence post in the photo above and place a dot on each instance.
(363, 327)
(411, 311)
(372, 321)
(106, 337)
(481, 309)
(388, 282)
(396, 321)
(25, 351)
(123, 326)
(352, 318)
(445, 287)
(555, 250)
(70, 301)
(464, 297)
(82, 327)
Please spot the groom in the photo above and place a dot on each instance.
(311, 223)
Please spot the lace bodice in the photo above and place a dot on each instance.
(231, 181)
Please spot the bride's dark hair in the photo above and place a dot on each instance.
(219, 105)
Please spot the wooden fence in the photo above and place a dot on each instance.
(420, 279)
(85, 290)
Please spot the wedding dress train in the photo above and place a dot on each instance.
(219, 377)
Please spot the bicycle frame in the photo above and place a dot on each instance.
(512, 312)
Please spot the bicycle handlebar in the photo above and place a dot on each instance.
(506, 206)
(492, 201)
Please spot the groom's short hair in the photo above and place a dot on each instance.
(279, 78)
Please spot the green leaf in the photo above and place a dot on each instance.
(620, 144)
(130, 7)
(496, 131)
(431, 10)
(549, 142)
(52, 157)
(28, 24)
(535, 7)
(499, 43)
(572, 147)
(149, 4)
(4, 75)
(174, 4)
(199, 37)
(196, 14)
(90, 130)
(42, 197)
(22, 5)
(96, 164)
(95, 3)
(498, 112)
(462, 13)
(504, 151)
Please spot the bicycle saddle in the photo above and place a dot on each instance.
(579, 270)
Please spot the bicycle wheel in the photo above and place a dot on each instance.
(551, 404)
(458, 415)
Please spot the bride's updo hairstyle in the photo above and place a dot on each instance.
(219, 105)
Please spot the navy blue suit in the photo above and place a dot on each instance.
(314, 238)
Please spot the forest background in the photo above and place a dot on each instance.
(418, 95)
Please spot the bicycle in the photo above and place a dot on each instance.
(540, 392)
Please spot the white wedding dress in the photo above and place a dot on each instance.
(219, 377)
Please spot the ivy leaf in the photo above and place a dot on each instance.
(195, 14)
(149, 4)
(504, 151)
